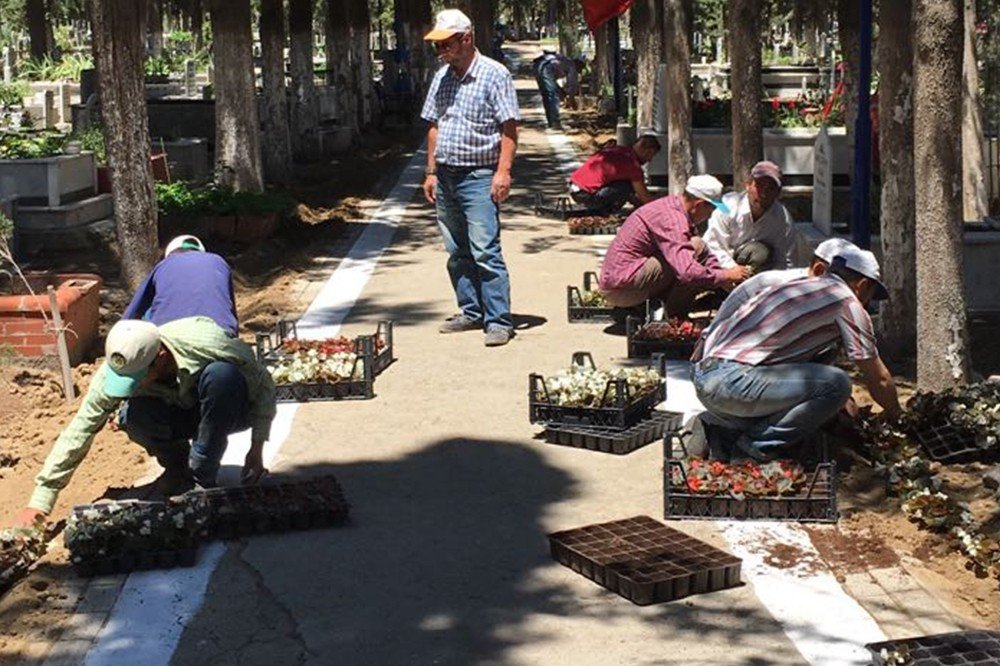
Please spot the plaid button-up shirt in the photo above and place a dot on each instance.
(469, 112)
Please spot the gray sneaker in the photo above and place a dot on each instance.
(460, 322)
(497, 336)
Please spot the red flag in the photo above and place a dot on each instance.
(599, 12)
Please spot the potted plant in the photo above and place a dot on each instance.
(19, 549)
(158, 69)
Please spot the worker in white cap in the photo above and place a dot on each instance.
(187, 282)
(657, 253)
(757, 231)
(183, 388)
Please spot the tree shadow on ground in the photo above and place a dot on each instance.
(445, 562)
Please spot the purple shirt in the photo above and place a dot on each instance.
(661, 228)
(187, 284)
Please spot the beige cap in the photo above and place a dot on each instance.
(449, 22)
(130, 349)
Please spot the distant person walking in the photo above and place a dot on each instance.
(472, 110)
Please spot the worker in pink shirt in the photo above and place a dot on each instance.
(657, 253)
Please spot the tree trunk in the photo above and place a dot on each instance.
(482, 13)
(744, 49)
(305, 111)
(647, 37)
(973, 161)
(333, 19)
(569, 43)
(156, 27)
(237, 125)
(942, 338)
(361, 62)
(849, 33)
(118, 29)
(37, 24)
(415, 16)
(277, 148)
(898, 320)
(197, 24)
(677, 17)
(340, 74)
(602, 62)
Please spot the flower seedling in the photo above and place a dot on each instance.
(670, 330)
(581, 386)
(739, 480)
(20, 547)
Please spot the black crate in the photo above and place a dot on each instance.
(136, 561)
(372, 359)
(638, 348)
(645, 561)
(948, 444)
(576, 311)
(618, 409)
(611, 440)
(966, 648)
(560, 209)
(274, 507)
(814, 503)
(607, 229)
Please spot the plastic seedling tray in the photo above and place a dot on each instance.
(576, 311)
(638, 347)
(374, 353)
(948, 444)
(606, 229)
(611, 440)
(561, 209)
(618, 407)
(815, 502)
(645, 561)
(965, 648)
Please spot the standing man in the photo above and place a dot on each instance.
(757, 231)
(657, 254)
(549, 68)
(472, 110)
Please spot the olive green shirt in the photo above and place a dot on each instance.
(194, 342)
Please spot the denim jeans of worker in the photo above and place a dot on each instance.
(547, 86)
(470, 225)
(608, 199)
(773, 406)
(164, 430)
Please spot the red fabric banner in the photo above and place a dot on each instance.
(599, 12)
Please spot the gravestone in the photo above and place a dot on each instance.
(822, 196)
(190, 83)
(8, 64)
(659, 101)
(64, 103)
(48, 110)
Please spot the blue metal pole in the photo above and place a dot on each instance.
(861, 187)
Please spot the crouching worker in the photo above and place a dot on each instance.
(186, 386)
(613, 176)
(761, 376)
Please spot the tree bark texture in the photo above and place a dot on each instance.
(333, 14)
(483, 16)
(155, 27)
(567, 19)
(898, 320)
(417, 21)
(305, 109)
(976, 205)
(361, 62)
(198, 24)
(677, 21)
(942, 337)
(338, 63)
(277, 146)
(745, 56)
(118, 30)
(647, 37)
(849, 34)
(237, 124)
(37, 23)
(602, 62)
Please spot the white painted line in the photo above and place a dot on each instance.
(828, 626)
(153, 608)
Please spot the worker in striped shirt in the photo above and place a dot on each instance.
(761, 378)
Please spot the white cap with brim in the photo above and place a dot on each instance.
(185, 242)
(831, 247)
(863, 262)
(130, 348)
(449, 22)
(708, 188)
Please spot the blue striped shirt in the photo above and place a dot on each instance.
(469, 112)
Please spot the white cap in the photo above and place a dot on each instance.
(863, 263)
(707, 188)
(831, 247)
(130, 348)
(449, 22)
(186, 242)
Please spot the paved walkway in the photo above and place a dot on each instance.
(447, 560)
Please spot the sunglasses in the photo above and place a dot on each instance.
(446, 44)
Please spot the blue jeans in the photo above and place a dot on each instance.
(772, 406)
(609, 199)
(470, 225)
(164, 429)
(547, 85)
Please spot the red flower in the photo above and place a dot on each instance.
(775, 103)
(694, 483)
(738, 486)
(791, 104)
(695, 463)
(717, 468)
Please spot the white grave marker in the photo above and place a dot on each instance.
(822, 197)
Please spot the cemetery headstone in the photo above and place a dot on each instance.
(822, 196)
(48, 109)
(190, 83)
(8, 64)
